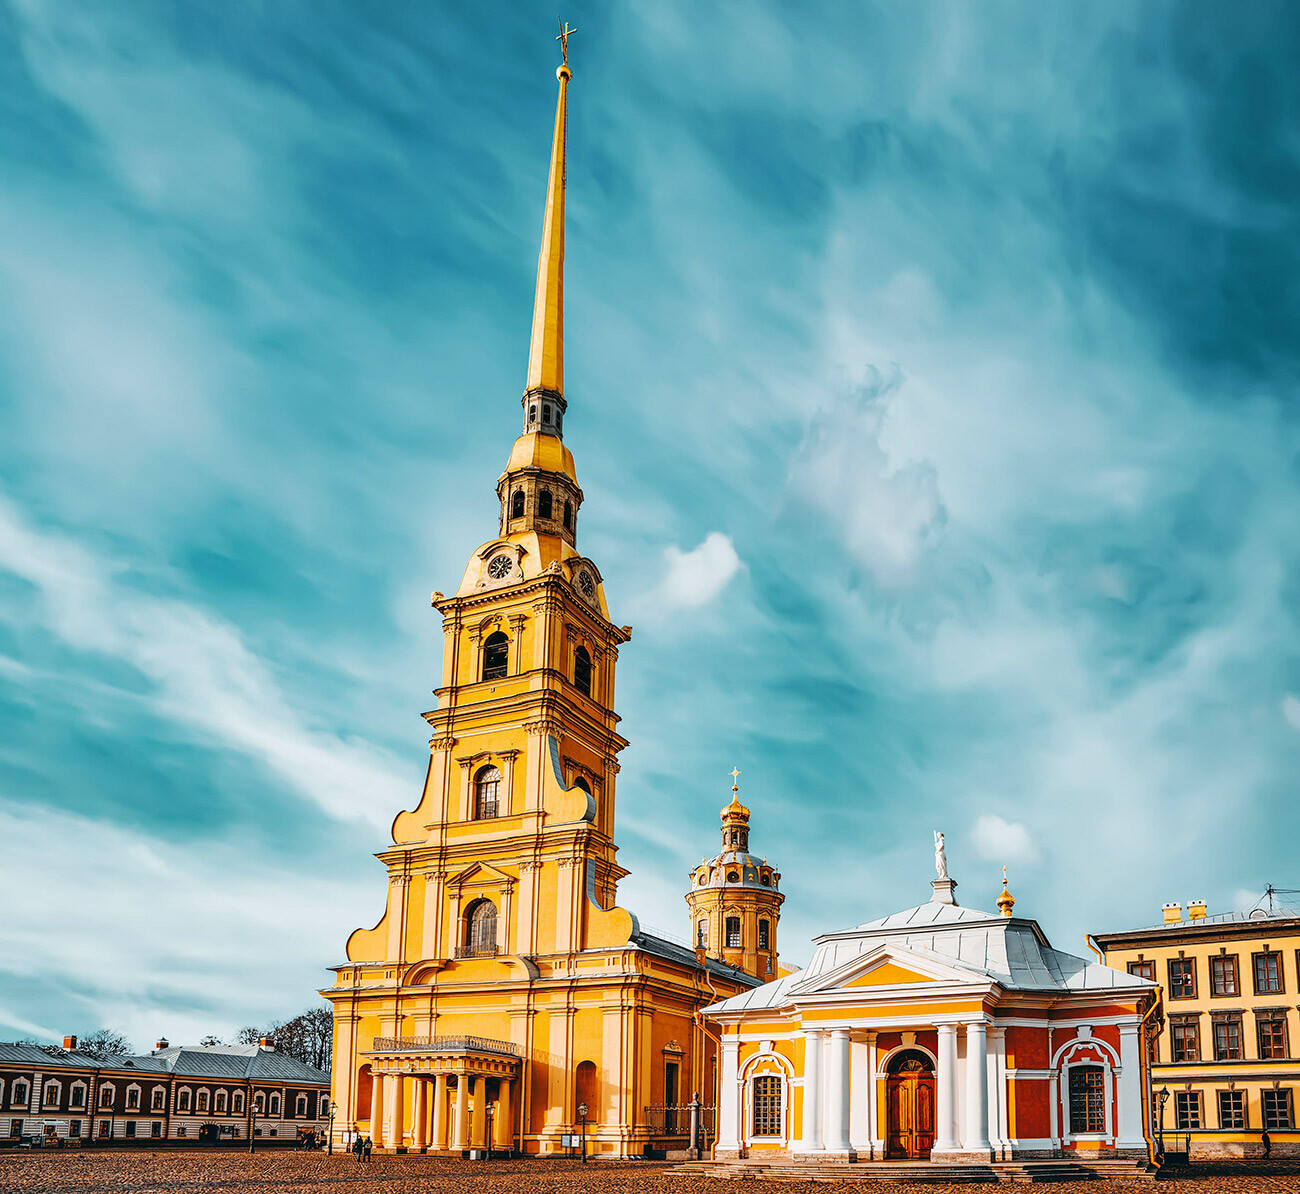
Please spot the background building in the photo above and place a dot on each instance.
(1225, 1066)
(197, 1094)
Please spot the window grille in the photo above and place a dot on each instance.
(733, 932)
(1277, 1108)
(1223, 975)
(1227, 1040)
(767, 1105)
(1187, 1109)
(763, 934)
(481, 932)
(1185, 1046)
(1087, 1099)
(1143, 970)
(1182, 978)
(1268, 974)
(1232, 1109)
(487, 794)
(1272, 1037)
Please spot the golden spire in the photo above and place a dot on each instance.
(735, 811)
(546, 350)
(1006, 901)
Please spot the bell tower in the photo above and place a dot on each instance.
(734, 900)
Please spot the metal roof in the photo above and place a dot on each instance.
(229, 1063)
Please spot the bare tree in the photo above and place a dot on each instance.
(309, 1037)
(104, 1042)
(211, 1040)
(250, 1034)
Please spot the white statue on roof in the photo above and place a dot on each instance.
(940, 858)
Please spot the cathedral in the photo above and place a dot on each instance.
(504, 1000)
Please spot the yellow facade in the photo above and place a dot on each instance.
(1225, 1066)
(502, 989)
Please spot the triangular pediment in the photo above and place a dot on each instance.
(480, 874)
(892, 965)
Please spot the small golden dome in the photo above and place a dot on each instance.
(735, 812)
(1006, 901)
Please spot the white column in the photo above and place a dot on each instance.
(729, 1097)
(811, 1139)
(837, 1092)
(977, 1089)
(376, 1132)
(873, 1099)
(945, 1126)
(1130, 1088)
(998, 1091)
(398, 1112)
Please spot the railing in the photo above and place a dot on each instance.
(676, 1120)
(477, 951)
(477, 1044)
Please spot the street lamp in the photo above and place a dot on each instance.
(489, 1110)
(582, 1117)
(1162, 1096)
(329, 1148)
(252, 1117)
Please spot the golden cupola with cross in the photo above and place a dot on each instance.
(735, 898)
(503, 989)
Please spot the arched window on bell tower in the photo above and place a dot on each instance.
(545, 504)
(517, 504)
(487, 793)
(568, 516)
(496, 656)
(582, 670)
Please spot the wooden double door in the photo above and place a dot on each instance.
(909, 1105)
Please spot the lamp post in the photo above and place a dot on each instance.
(252, 1117)
(1162, 1095)
(582, 1118)
(489, 1110)
(329, 1147)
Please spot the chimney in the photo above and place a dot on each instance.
(161, 1044)
(1195, 909)
(1173, 914)
(70, 1043)
(266, 1043)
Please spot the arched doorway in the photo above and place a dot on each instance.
(909, 1104)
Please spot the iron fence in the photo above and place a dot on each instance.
(676, 1120)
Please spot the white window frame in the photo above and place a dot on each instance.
(106, 1088)
(48, 1086)
(205, 1095)
(274, 1105)
(189, 1100)
(237, 1098)
(135, 1086)
(300, 1107)
(764, 1065)
(259, 1102)
(220, 1101)
(79, 1084)
(25, 1101)
(158, 1099)
(324, 1104)
(1082, 1051)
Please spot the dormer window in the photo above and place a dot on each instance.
(496, 656)
(545, 504)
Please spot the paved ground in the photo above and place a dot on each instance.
(106, 1172)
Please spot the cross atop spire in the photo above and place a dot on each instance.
(563, 39)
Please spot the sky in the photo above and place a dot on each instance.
(933, 376)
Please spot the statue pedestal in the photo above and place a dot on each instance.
(943, 891)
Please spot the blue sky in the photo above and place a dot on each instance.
(932, 373)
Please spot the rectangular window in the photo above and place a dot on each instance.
(1232, 1109)
(221, 1102)
(15, 1127)
(1187, 1109)
(155, 1129)
(103, 1127)
(77, 1096)
(733, 932)
(767, 1105)
(1277, 1108)
(51, 1096)
(20, 1094)
(1272, 1035)
(74, 1128)
(1143, 970)
(762, 934)
(1268, 974)
(183, 1101)
(130, 1129)
(1227, 1040)
(1087, 1099)
(132, 1099)
(1184, 1043)
(105, 1096)
(1182, 978)
(158, 1096)
(1223, 975)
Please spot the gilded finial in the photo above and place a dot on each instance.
(735, 808)
(735, 786)
(1006, 901)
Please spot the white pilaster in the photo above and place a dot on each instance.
(945, 1127)
(998, 1091)
(837, 1092)
(977, 1089)
(729, 1097)
(1130, 1088)
(810, 1139)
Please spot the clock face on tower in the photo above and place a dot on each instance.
(500, 566)
(587, 585)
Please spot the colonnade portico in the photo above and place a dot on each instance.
(969, 1108)
(439, 1094)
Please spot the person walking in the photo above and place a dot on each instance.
(357, 1147)
(369, 1146)
(1267, 1141)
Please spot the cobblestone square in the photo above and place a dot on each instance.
(177, 1172)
